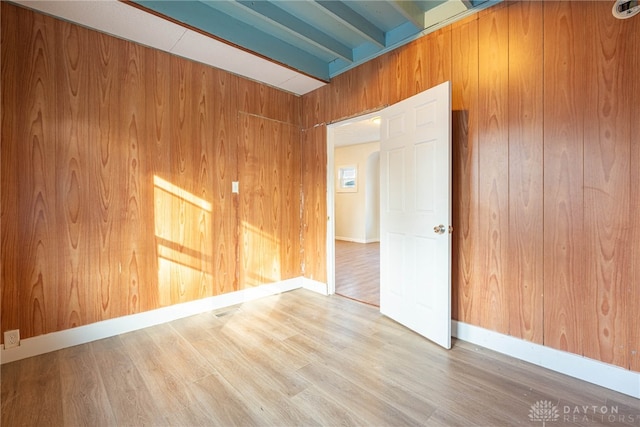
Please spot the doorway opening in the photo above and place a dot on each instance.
(353, 201)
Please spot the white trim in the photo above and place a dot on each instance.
(315, 286)
(573, 365)
(331, 212)
(83, 334)
(351, 239)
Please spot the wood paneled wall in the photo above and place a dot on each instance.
(270, 200)
(546, 194)
(117, 164)
(314, 203)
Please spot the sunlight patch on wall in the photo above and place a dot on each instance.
(261, 256)
(184, 243)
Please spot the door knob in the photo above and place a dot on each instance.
(439, 229)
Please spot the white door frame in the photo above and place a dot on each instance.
(331, 194)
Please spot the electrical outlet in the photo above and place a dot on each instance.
(11, 338)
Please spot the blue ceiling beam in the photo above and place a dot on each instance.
(320, 38)
(227, 28)
(298, 28)
(349, 18)
(401, 33)
(411, 10)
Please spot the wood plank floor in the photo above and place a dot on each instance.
(293, 359)
(358, 271)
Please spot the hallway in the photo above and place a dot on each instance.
(358, 271)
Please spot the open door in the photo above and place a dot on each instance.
(415, 213)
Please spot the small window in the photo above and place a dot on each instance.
(348, 179)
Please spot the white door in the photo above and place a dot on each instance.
(415, 213)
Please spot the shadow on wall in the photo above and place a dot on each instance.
(462, 154)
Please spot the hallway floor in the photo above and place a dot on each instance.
(358, 271)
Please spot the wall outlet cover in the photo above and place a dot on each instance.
(11, 339)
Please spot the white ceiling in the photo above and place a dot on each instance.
(126, 22)
(359, 130)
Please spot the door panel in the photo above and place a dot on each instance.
(395, 178)
(425, 179)
(415, 153)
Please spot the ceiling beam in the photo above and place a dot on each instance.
(410, 10)
(267, 11)
(349, 18)
(446, 11)
(209, 20)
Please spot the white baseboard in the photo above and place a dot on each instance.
(315, 286)
(83, 334)
(351, 239)
(573, 365)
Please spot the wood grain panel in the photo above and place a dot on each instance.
(137, 239)
(525, 275)
(290, 162)
(158, 135)
(36, 131)
(607, 136)
(366, 88)
(563, 171)
(418, 66)
(341, 101)
(107, 176)
(203, 162)
(633, 289)
(255, 219)
(374, 85)
(464, 92)
(270, 201)
(345, 96)
(72, 177)
(265, 101)
(225, 228)
(9, 176)
(439, 63)
(196, 248)
(314, 208)
(412, 69)
(493, 184)
(313, 111)
(180, 178)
